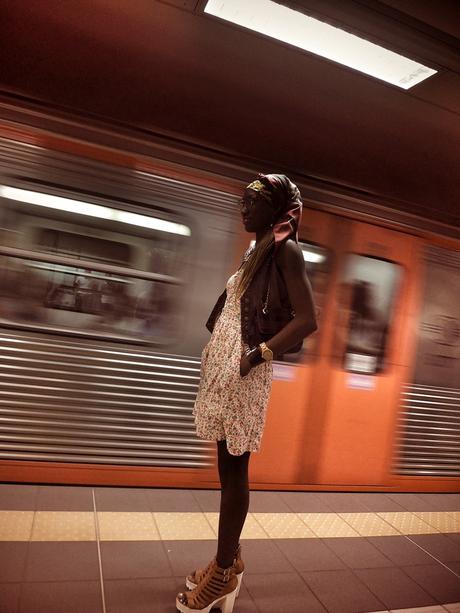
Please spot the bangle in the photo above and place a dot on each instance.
(254, 356)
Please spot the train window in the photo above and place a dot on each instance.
(118, 281)
(74, 298)
(82, 246)
(370, 285)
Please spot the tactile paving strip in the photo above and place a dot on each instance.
(132, 526)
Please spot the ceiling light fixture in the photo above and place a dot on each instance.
(290, 26)
(92, 210)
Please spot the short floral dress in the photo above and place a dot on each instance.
(229, 406)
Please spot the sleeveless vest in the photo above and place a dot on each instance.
(265, 306)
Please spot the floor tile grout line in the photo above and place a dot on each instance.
(216, 533)
(370, 588)
(197, 500)
(449, 513)
(371, 513)
(163, 545)
(349, 568)
(98, 545)
(390, 499)
(33, 525)
(296, 571)
(320, 501)
(379, 515)
(339, 516)
(412, 513)
(254, 517)
(24, 572)
(352, 570)
(412, 541)
(299, 573)
(431, 555)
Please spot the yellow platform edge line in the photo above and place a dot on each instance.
(151, 525)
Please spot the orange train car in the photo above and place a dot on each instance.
(111, 258)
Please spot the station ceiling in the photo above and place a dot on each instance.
(167, 68)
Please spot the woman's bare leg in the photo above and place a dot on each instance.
(234, 501)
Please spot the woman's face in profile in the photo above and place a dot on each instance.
(256, 211)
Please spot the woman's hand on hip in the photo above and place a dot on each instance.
(245, 365)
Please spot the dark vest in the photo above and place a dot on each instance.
(265, 306)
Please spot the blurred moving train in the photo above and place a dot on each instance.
(108, 272)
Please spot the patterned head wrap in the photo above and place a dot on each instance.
(287, 204)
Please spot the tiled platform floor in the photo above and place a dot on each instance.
(120, 550)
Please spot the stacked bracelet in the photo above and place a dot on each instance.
(255, 356)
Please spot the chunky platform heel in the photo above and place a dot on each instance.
(192, 580)
(217, 588)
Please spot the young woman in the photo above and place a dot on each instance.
(266, 310)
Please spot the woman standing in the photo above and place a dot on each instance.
(266, 310)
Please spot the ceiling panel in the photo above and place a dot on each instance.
(149, 65)
(443, 15)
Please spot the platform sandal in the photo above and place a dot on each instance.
(192, 580)
(217, 588)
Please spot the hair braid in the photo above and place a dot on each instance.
(254, 262)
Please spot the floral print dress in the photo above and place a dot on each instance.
(229, 406)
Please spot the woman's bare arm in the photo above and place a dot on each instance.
(292, 265)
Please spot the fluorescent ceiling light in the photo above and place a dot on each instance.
(295, 28)
(92, 210)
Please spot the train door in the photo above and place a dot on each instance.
(365, 360)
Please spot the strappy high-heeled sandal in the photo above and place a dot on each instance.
(192, 580)
(216, 589)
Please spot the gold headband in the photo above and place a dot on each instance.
(257, 186)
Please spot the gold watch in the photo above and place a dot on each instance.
(266, 352)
